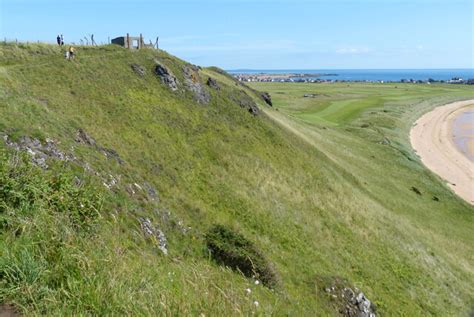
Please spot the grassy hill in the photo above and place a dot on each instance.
(314, 192)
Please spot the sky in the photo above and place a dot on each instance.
(265, 34)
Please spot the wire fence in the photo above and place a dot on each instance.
(84, 41)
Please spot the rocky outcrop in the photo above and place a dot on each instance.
(246, 102)
(211, 82)
(166, 76)
(153, 232)
(39, 151)
(84, 138)
(267, 98)
(193, 83)
(139, 70)
(349, 300)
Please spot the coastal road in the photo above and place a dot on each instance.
(432, 137)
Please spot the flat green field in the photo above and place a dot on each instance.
(324, 188)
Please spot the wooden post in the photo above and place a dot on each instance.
(127, 45)
(140, 45)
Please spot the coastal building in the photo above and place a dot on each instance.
(130, 42)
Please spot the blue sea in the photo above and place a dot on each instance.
(371, 74)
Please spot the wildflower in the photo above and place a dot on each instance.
(256, 303)
(248, 290)
(257, 282)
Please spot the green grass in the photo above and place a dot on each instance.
(315, 193)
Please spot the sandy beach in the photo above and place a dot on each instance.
(434, 139)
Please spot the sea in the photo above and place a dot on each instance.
(463, 133)
(394, 75)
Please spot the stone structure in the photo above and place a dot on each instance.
(130, 42)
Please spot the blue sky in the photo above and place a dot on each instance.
(265, 34)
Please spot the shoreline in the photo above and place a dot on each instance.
(432, 138)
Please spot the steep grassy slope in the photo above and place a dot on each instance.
(317, 195)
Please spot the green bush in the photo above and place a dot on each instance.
(232, 249)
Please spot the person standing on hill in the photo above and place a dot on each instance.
(58, 40)
(62, 40)
(72, 52)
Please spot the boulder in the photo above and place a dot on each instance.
(166, 76)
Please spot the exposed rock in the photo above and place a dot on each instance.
(193, 83)
(139, 70)
(211, 82)
(38, 151)
(151, 191)
(267, 98)
(349, 300)
(309, 95)
(166, 76)
(111, 154)
(151, 231)
(111, 181)
(130, 190)
(83, 137)
(245, 101)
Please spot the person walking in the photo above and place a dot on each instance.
(58, 40)
(62, 40)
(72, 52)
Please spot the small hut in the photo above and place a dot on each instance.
(130, 42)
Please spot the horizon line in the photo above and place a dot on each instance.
(298, 69)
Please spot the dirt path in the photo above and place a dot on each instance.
(432, 139)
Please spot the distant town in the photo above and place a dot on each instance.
(317, 78)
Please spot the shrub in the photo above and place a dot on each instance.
(232, 249)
